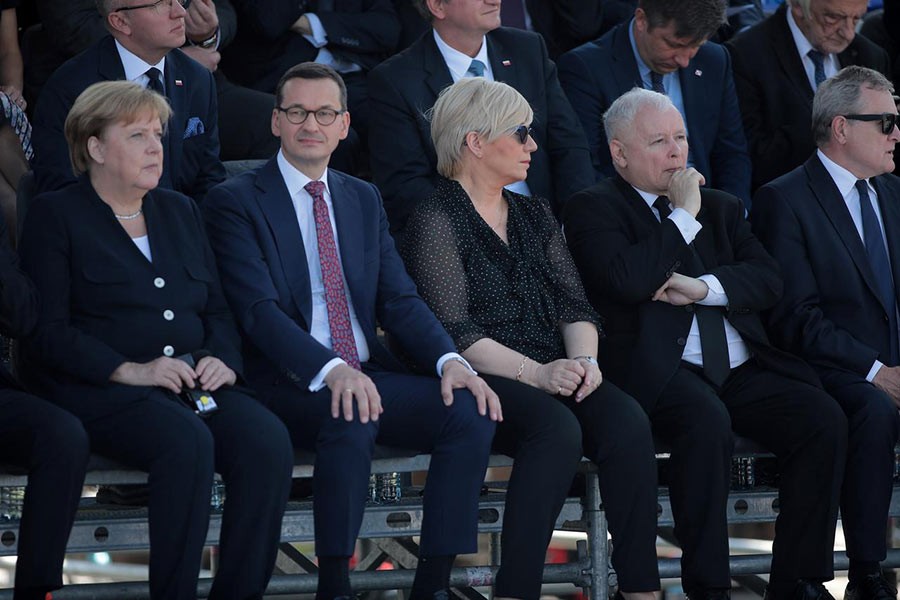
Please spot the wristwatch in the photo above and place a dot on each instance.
(209, 42)
(587, 358)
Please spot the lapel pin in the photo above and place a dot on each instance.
(179, 83)
(506, 63)
(698, 73)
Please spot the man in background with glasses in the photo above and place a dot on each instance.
(143, 47)
(833, 224)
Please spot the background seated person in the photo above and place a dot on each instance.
(494, 268)
(129, 286)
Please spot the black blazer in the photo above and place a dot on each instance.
(104, 303)
(775, 95)
(364, 32)
(830, 313)
(624, 255)
(595, 74)
(402, 88)
(18, 300)
(191, 153)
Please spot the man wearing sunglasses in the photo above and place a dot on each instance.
(143, 47)
(833, 224)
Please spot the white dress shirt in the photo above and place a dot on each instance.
(136, 69)
(738, 352)
(832, 66)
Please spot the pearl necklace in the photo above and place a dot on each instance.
(130, 217)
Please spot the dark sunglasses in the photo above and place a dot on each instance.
(888, 120)
(522, 132)
(155, 5)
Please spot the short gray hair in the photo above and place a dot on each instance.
(839, 95)
(489, 108)
(622, 112)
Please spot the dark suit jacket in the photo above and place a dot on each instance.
(624, 255)
(254, 231)
(830, 313)
(103, 302)
(405, 86)
(191, 155)
(364, 32)
(595, 74)
(775, 94)
(18, 300)
(565, 23)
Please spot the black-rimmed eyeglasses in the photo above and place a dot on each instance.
(155, 5)
(297, 115)
(888, 120)
(521, 133)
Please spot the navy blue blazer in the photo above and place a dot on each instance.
(624, 255)
(830, 312)
(775, 94)
(191, 152)
(405, 86)
(103, 303)
(254, 231)
(596, 73)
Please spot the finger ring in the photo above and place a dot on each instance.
(348, 390)
(558, 390)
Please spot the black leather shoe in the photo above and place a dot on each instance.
(802, 590)
(872, 587)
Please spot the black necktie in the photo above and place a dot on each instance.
(710, 319)
(155, 81)
(656, 82)
(878, 259)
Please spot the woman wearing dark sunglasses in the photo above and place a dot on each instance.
(494, 267)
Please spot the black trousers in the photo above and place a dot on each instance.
(415, 417)
(547, 435)
(801, 424)
(873, 425)
(244, 442)
(52, 445)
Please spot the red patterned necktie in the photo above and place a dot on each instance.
(342, 340)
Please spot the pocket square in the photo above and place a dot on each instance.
(194, 127)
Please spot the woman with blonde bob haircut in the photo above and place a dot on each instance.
(494, 267)
(134, 338)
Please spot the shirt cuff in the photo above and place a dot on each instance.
(453, 356)
(716, 295)
(876, 366)
(686, 224)
(318, 382)
(319, 38)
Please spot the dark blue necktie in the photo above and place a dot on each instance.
(881, 266)
(155, 82)
(656, 82)
(710, 319)
(819, 62)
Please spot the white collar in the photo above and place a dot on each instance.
(135, 66)
(456, 61)
(294, 179)
(843, 179)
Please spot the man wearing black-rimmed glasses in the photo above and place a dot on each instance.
(833, 224)
(143, 47)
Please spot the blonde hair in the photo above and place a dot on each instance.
(104, 104)
(489, 108)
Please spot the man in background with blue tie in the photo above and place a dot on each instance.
(310, 271)
(466, 40)
(777, 66)
(833, 224)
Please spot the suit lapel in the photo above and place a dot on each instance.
(275, 203)
(835, 208)
(890, 215)
(109, 64)
(437, 74)
(642, 213)
(505, 69)
(175, 91)
(788, 57)
(705, 241)
(350, 234)
(624, 65)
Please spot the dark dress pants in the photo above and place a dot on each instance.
(52, 445)
(543, 435)
(244, 442)
(805, 429)
(873, 424)
(415, 418)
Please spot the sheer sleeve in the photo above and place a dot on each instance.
(432, 253)
(570, 298)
